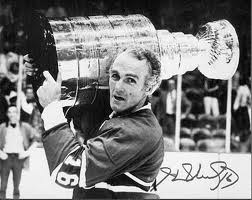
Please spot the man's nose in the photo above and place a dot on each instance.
(119, 85)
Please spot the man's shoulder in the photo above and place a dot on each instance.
(140, 124)
(2, 128)
(138, 116)
(3, 125)
(144, 115)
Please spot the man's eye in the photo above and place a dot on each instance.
(114, 76)
(131, 80)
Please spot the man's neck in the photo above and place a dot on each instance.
(143, 102)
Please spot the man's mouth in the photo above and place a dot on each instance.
(118, 98)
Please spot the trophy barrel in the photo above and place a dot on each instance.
(83, 48)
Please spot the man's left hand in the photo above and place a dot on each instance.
(50, 90)
(23, 155)
(28, 152)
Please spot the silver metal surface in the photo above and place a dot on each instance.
(221, 57)
(85, 46)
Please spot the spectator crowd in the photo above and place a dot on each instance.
(203, 113)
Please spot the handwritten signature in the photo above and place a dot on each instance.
(222, 173)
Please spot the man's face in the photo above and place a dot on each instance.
(171, 84)
(12, 114)
(126, 82)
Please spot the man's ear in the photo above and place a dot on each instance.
(148, 90)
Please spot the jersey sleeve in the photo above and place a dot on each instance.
(63, 154)
(67, 174)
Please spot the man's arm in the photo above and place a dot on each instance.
(187, 103)
(3, 155)
(237, 99)
(62, 149)
(27, 107)
(63, 154)
(208, 89)
(31, 136)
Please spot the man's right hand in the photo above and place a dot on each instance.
(50, 90)
(3, 155)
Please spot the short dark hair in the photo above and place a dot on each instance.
(154, 65)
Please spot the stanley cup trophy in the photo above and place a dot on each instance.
(83, 49)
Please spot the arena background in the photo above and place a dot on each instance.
(176, 16)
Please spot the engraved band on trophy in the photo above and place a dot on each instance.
(82, 46)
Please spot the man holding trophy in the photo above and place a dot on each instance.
(122, 157)
(128, 148)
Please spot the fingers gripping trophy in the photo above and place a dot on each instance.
(82, 48)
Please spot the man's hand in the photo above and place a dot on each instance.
(28, 152)
(3, 155)
(50, 90)
(23, 155)
(30, 68)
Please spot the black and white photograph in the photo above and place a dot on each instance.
(117, 99)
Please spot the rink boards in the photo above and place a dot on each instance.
(183, 175)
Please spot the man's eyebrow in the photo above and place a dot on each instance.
(128, 74)
(113, 71)
(132, 75)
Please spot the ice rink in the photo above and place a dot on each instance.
(36, 182)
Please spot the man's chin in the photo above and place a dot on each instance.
(117, 108)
